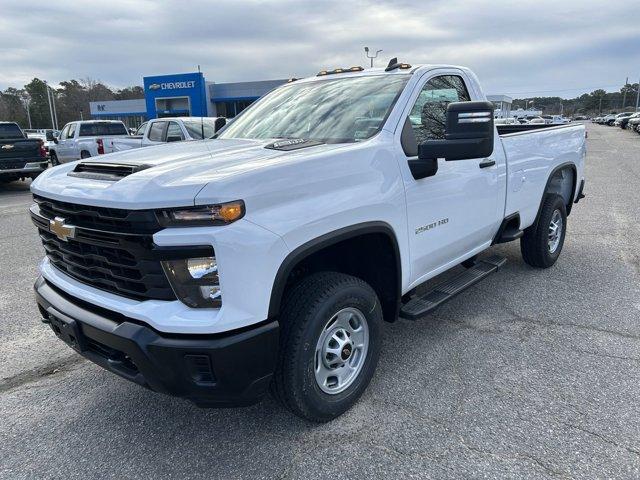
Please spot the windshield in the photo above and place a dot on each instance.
(10, 131)
(102, 129)
(343, 110)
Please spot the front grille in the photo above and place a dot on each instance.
(120, 259)
(100, 218)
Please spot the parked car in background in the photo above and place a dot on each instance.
(609, 119)
(634, 123)
(622, 119)
(84, 139)
(506, 121)
(166, 130)
(20, 157)
(48, 137)
(538, 121)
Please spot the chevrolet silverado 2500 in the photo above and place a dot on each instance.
(269, 257)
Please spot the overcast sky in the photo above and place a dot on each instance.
(521, 48)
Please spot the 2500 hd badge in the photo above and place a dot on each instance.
(431, 226)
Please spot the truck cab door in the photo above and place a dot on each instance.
(452, 214)
(62, 145)
(72, 147)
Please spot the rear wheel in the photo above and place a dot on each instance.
(329, 345)
(542, 242)
(84, 154)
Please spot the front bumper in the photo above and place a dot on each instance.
(218, 370)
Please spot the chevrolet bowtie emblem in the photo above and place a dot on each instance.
(62, 231)
(7, 147)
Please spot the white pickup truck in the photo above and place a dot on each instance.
(84, 139)
(166, 130)
(269, 257)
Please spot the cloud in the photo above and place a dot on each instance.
(562, 47)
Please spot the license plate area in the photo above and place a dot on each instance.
(67, 330)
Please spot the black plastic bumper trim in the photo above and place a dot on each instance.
(220, 371)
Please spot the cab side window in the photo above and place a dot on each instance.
(63, 134)
(72, 131)
(174, 132)
(156, 132)
(428, 115)
(141, 128)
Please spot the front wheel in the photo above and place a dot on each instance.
(329, 345)
(542, 242)
(54, 159)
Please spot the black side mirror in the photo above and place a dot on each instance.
(55, 140)
(219, 123)
(468, 133)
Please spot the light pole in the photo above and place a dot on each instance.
(638, 97)
(366, 51)
(53, 123)
(26, 101)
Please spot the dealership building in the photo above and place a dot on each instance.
(184, 94)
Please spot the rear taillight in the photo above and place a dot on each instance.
(42, 150)
(100, 146)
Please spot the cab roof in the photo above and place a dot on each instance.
(367, 72)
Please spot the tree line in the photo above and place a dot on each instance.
(589, 104)
(71, 100)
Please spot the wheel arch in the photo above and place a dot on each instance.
(389, 292)
(559, 184)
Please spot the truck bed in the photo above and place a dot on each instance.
(532, 155)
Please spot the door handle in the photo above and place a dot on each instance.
(487, 163)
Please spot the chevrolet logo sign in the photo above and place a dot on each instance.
(8, 147)
(62, 231)
(154, 86)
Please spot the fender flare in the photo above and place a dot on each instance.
(562, 166)
(324, 241)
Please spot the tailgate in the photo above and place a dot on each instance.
(19, 149)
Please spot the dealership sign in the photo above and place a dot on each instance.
(172, 85)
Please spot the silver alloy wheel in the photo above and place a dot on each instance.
(341, 350)
(555, 231)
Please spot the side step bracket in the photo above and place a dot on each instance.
(420, 305)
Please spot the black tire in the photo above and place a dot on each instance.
(84, 154)
(54, 159)
(307, 308)
(534, 244)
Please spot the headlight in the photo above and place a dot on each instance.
(221, 214)
(195, 281)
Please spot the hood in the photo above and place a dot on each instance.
(173, 176)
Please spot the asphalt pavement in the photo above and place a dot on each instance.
(529, 374)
